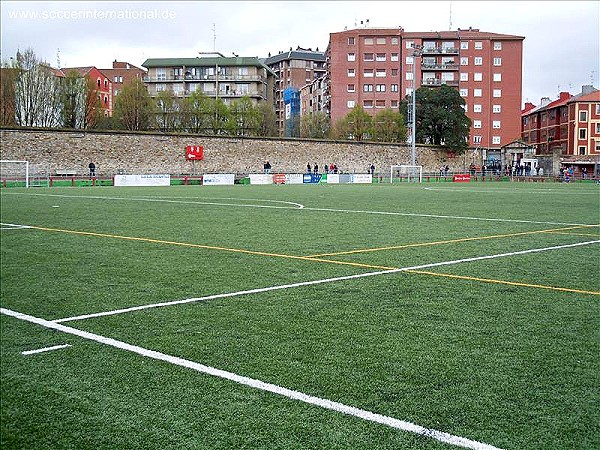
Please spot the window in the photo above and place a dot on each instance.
(394, 88)
(583, 116)
(497, 45)
(380, 88)
(582, 150)
(478, 60)
(496, 124)
(497, 61)
(379, 103)
(368, 73)
(464, 77)
(447, 76)
(98, 82)
(477, 76)
(351, 57)
(477, 108)
(351, 73)
(464, 92)
(368, 41)
(395, 105)
(394, 41)
(409, 76)
(497, 77)
(464, 45)
(583, 133)
(380, 57)
(394, 57)
(116, 79)
(105, 83)
(408, 91)
(496, 108)
(350, 41)
(410, 60)
(497, 93)
(476, 139)
(350, 103)
(477, 93)
(367, 88)
(598, 109)
(465, 107)
(368, 104)
(368, 57)
(464, 60)
(478, 45)
(381, 40)
(161, 87)
(380, 73)
(477, 124)
(350, 88)
(496, 140)
(598, 128)
(410, 44)
(394, 72)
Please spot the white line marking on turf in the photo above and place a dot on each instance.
(314, 282)
(387, 213)
(12, 226)
(262, 385)
(514, 191)
(299, 205)
(45, 349)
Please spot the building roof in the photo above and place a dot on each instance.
(470, 33)
(209, 61)
(301, 54)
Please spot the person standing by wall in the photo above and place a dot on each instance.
(92, 168)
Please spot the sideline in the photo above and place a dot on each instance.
(261, 385)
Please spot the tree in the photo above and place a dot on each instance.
(388, 126)
(218, 115)
(440, 117)
(167, 111)
(267, 121)
(133, 106)
(357, 125)
(243, 118)
(196, 111)
(72, 96)
(8, 79)
(316, 125)
(37, 92)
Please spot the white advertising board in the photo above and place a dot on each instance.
(333, 178)
(362, 178)
(294, 178)
(212, 179)
(143, 180)
(261, 178)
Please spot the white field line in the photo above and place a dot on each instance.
(12, 226)
(258, 384)
(512, 191)
(349, 211)
(314, 282)
(299, 205)
(45, 349)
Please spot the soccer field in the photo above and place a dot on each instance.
(301, 317)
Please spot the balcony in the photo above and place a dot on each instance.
(434, 82)
(440, 51)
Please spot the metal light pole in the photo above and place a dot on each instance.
(417, 51)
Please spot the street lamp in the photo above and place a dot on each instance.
(417, 52)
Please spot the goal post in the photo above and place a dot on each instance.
(14, 173)
(406, 173)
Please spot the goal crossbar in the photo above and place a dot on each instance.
(4, 173)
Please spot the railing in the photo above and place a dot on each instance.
(439, 66)
(440, 50)
(227, 77)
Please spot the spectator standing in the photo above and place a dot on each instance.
(372, 169)
(316, 169)
(308, 168)
(92, 168)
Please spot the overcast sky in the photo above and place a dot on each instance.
(561, 46)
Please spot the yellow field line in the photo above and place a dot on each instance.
(510, 283)
(577, 234)
(450, 241)
(211, 247)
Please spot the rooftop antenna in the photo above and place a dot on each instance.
(450, 26)
(592, 76)
(214, 30)
(58, 58)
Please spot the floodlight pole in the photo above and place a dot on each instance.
(417, 52)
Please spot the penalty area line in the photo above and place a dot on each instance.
(388, 421)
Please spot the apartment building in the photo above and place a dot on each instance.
(293, 69)
(568, 126)
(312, 97)
(377, 68)
(122, 73)
(226, 78)
(102, 83)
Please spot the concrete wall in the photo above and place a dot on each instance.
(52, 151)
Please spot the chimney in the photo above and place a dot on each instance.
(544, 101)
(587, 89)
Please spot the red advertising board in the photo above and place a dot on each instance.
(194, 152)
(279, 178)
(462, 178)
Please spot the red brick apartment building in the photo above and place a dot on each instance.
(374, 68)
(102, 83)
(568, 126)
(121, 74)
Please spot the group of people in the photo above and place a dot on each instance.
(329, 168)
(444, 171)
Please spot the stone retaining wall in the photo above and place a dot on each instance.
(112, 152)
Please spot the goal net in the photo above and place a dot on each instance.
(406, 173)
(14, 173)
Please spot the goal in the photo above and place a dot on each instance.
(406, 173)
(14, 173)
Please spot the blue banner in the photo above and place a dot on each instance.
(311, 178)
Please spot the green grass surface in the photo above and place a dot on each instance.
(503, 351)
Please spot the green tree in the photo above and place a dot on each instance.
(8, 79)
(440, 117)
(73, 100)
(218, 115)
(133, 106)
(388, 126)
(196, 110)
(316, 125)
(267, 121)
(167, 112)
(357, 125)
(243, 118)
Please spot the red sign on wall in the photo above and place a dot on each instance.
(464, 178)
(279, 178)
(194, 152)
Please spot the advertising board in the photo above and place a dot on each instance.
(213, 179)
(143, 180)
